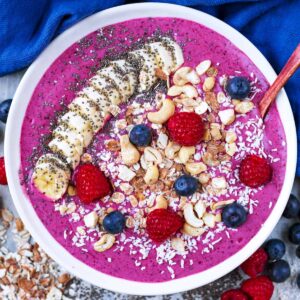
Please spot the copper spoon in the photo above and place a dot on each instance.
(288, 70)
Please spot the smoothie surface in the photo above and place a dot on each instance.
(135, 257)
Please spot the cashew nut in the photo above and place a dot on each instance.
(105, 242)
(178, 244)
(163, 114)
(130, 155)
(152, 155)
(185, 75)
(216, 205)
(161, 202)
(192, 231)
(185, 153)
(209, 84)
(195, 168)
(190, 217)
(152, 174)
(188, 90)
(171, 150)
(203, 67)
(209, 220)
(200, 209)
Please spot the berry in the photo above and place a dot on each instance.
(3, 179)
(114, 222)
(238, 87)
(162, 223)
(259, 288)
(186, 185)
(4, 109)
(255, 171)
(140, 135)
(234, 215)
(275, 249)
(91, 184)
(298, 251)
(234, 295)
(279, 271)
(298, 281)
(294, 233)
(256, 263)
(186, 128)
(292, 208)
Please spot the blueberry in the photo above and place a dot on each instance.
(234, 215)
(275, 249)
(186, 185)
(279, 270)
(294, 233)
(4, 109)
(298, 251)
(140, 135)
(292, 208)
(298, 281)
(114, 222)
(238, 87)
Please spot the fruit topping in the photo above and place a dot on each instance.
(186, 185)
(235, 294)
(255, 171)
(4, 109)
(114, 222)
(91, 183)
(294, 233)
(275, 249)
(162, 223)
(140, 135)
(234, 215)
(3, 179)
(279, 271)
(238, 87)
(259, 288)
(292, 208)
(186, 128)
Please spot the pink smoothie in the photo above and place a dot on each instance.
(134, 257)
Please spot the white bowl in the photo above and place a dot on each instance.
(12, 149)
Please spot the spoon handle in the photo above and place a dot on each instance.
(288, 70)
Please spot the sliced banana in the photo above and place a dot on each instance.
(176, 51)
(71, 152)
(163, 56)
(51, 178)
(106, 86)
(148, 65)
(75, 122)
(89, 110)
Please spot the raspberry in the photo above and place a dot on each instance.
(234, 295)
(91, 183)
(256, 263)
(186, 128)
(162, 223)
(259, 288)
(255, 171)
(3, 179)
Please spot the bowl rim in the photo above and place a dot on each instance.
(12, 148)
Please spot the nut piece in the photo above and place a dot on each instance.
(188, 90)
(185, 153)
(171, 150)
(244, 107)
(221, 97)
(230, 137)
(204, 178)
(227, 116)
(161, 202)
(163, 114)
(217, 205)
(219, 183)
(185, 75)
(178, 245)
(192, 231)
(190, 217)
(209, 84)
(203, 67)
(125, 173)
(231, 148)
(209, 220)
(117, 197)
(152, 174)
(215, 131)
(200, 209)
(152, 155)
(195, 168)
(90, 220)
(105, 242)
(201, 108)
(130, 155)
(162, 140)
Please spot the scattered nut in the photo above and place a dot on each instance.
(112, 145)
(161, 202)
(219, 183)
(244, 107)
(162, 140)
(185, 75)
(129, 222)
(217, 205)
(185, 153)
(152, 155)
(130, 155)
(209, 220)
(133, 201)
(195, 168)
(231, 148)
(201, 108)
(163, 114)
(209, 84)
(227, 116)
(105, 243)
(200, 209)
(203, 67)
(190, 217)
(152, 174)
(125, 173)
(230, 137)
(90, 220)
(178, 245)
(192, 231)
(86, 158)
(171, 150)
(117, 197)
(204, 178)
(188, 90)
(215, 131)
(221, 98)
(71, 191)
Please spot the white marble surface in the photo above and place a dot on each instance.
(284, 291)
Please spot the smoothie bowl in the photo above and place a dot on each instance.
(136, 154)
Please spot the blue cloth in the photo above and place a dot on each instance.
(27, 27)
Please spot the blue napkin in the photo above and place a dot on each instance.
(27, 27)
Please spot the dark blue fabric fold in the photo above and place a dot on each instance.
(28, 26)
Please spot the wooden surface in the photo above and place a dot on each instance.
(84, 291)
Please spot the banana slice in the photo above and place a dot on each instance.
(106, 87)
(50, 178)
(100, 99)
(89, 110)
(148, 65)
(176, 51)
(163, 56)
(77, 123)
(71, 152)
(55, 160)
